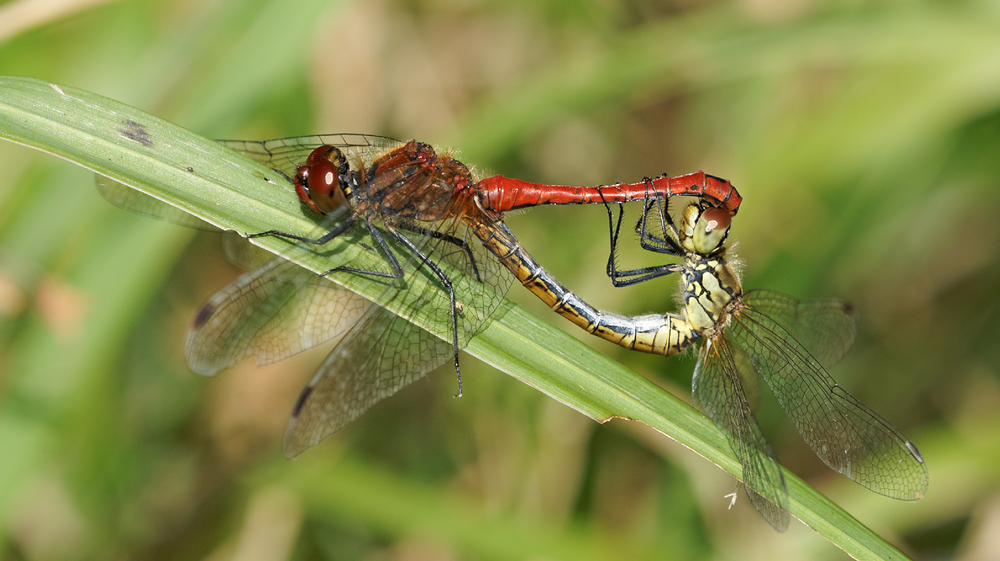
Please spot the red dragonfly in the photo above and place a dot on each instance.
(424, 214)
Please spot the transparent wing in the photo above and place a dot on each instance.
(123, 196)
(379, 357)
(243, 254)
(286, 154)
(280, 154)
(385, 352)
(718, 392)
(845, 434)
(277, 310)
(274, 312)
(826, 328)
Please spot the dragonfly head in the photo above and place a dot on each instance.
(322, 182)
(704, 229)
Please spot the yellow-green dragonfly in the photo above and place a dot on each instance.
(787, 342)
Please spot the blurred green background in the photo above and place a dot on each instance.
(864, 137)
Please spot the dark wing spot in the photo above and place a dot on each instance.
(203, 314)
(299, 403)
(135, 131)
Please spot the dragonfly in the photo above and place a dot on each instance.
(427, 218)
(787, 342)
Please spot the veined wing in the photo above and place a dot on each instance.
(123, 196)
(286, 154)
(826, 328)
(718, 392)
(280, 154)
(277, 310)
(846, 435)
(385, 352)
(378, 357)
(271, 313)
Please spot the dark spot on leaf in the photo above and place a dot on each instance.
(135, 131)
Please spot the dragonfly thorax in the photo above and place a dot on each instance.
(710, 287)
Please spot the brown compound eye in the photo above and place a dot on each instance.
(302, 187)
(317, 183)
(322, 178)
(318, 154)
(711, 229)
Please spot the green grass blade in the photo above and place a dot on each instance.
(232, 192)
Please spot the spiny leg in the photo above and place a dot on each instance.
(446, 282)
(622, 278)
(665, 243)
(460, 243)
(386, 251)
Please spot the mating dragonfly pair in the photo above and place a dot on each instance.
(427, 217)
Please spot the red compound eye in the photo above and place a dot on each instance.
(322, 179)
(716, 219)
(324, 186)
(711, 230)
(302, 187)
(321, 153)
(317, 183)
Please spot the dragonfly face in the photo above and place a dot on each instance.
(710, 286)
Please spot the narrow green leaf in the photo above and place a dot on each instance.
(232, 192)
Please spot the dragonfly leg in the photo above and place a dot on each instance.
(459, 243)
(385, 250)
(643, 275)
(446, 282)
(397, 273)
(631, 276)
(333, 233)
(666, 242)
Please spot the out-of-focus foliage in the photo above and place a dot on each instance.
(863, 137)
